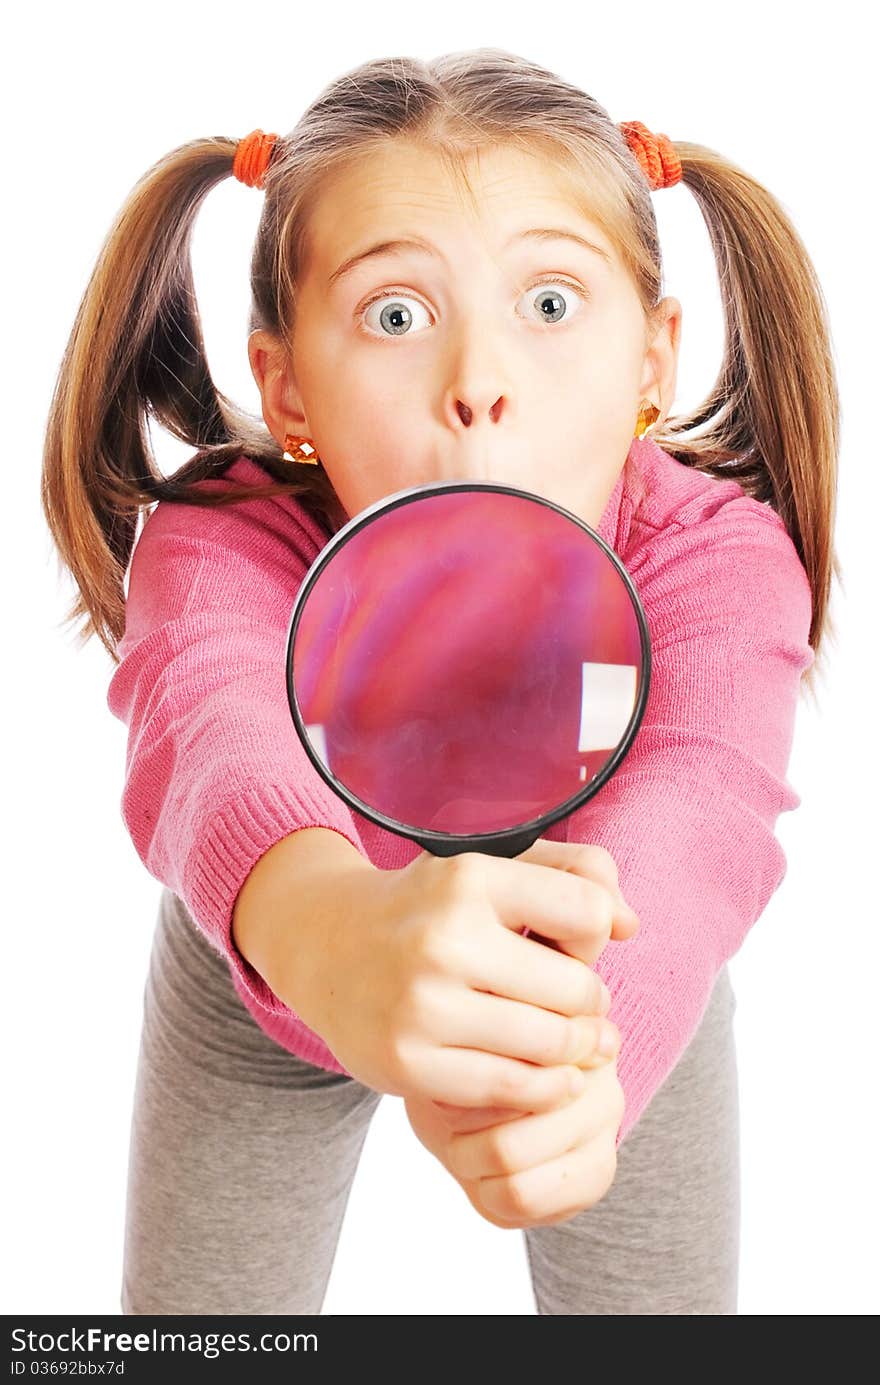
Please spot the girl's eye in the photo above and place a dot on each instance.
(395, 318)
(548, 304)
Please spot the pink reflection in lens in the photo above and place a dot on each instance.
(467, 660)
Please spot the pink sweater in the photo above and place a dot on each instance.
(215, 774)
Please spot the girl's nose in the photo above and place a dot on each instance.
(466, 414)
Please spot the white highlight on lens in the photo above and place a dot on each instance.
(608, 696)
(318, 742)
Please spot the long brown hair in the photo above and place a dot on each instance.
(136, 351)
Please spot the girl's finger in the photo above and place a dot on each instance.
(517, 1145)
(523, 969)
(576, 910)
(463, 1119)
(515, 1029)
(591, 862)
(473, 1077)
(554, 1191)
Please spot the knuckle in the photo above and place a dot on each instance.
(600, 903)
(464, 871)
(502, 1149)
(577, 1039)
(507, 1088)
(453, 1159)
(593, 857)
(398, 1058)
(438, 942)
(417, 1007)
(557, 1041)
(594, 995)
(517, 1202)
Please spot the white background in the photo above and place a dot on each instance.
(95, 94)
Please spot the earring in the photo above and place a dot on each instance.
(299, 450)
(648, 415)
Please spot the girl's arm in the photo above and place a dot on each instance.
(689, 816)
(215, 773)
(256, 919)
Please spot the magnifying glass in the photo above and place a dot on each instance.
(466, 664)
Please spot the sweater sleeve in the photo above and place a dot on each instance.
(689, 816)
(215, 772)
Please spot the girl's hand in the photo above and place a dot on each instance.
(438, 1125)
(532, 1170)
(422, 984)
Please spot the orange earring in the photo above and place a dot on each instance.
(299, 450)
(648, 416)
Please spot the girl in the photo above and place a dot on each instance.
(456, 275)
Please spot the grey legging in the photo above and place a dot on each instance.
(242, 1158)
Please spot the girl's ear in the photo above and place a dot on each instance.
(660, 370)
(272, 369)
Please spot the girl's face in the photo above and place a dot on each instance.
(487, 352)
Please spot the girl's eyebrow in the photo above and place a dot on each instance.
(394, 247)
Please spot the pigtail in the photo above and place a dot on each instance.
(136, 351)
(772, 419)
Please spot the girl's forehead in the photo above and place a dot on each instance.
(399, 189)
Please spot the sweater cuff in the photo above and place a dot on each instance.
(233, 840)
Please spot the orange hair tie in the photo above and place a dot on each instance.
(253, 155)
(656, 156)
